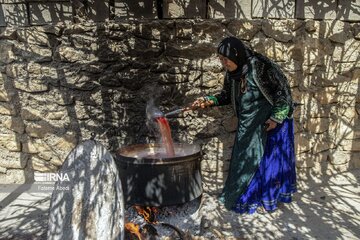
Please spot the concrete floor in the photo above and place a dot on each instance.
(329, 210)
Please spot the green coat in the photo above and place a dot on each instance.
(272, 83)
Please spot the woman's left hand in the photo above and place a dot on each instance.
(270, 124)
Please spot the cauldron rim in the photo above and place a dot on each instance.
(155, 161)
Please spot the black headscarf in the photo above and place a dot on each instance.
(234, 49)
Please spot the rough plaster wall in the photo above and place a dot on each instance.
(59, 83)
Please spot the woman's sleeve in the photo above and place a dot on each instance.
(281, 94)
(224, 97)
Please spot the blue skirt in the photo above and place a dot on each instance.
(275, 179)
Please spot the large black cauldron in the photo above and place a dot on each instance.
(149, 178)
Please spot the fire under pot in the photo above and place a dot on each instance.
(150, 178)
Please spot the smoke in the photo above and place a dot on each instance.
(152, 113)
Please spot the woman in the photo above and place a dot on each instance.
(262, 165)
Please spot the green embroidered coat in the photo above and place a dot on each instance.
(272, 83)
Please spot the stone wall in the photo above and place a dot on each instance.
(60, 83)
(41, 12)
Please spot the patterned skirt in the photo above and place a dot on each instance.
(275, 179)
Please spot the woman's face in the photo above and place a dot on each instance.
(227, 63)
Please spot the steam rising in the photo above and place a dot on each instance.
(152, 112)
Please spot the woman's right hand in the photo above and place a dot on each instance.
(202, 102)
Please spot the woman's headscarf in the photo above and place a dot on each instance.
(234, 49)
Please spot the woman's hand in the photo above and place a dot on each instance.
(202, 102)
(270, 124)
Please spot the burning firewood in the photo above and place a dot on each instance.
(149, 231)
(132, 230)
(148, 213)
